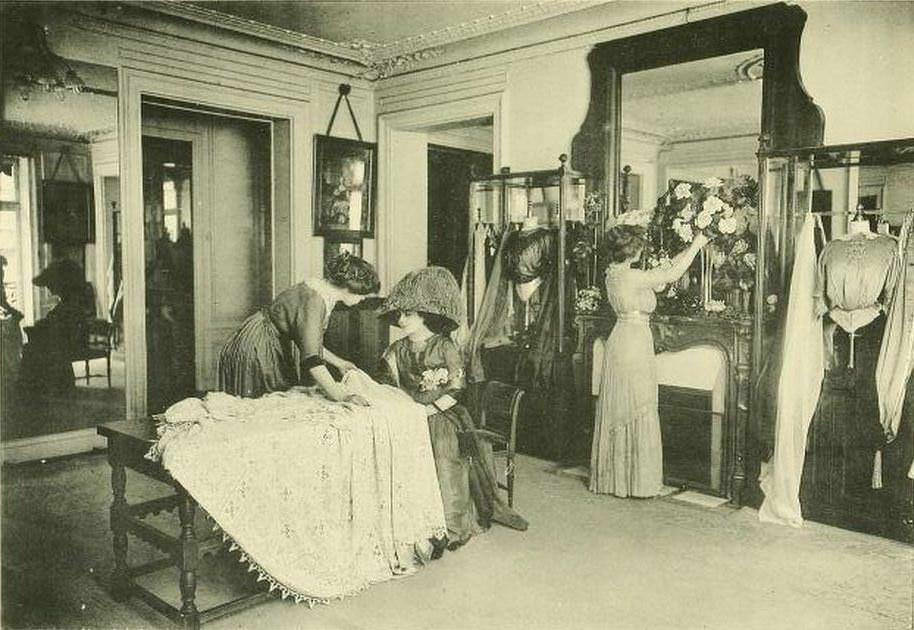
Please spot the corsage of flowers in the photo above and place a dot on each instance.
(432, 379)
(588, 300)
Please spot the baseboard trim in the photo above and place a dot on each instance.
(53, 445)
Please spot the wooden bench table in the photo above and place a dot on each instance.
(128, 443)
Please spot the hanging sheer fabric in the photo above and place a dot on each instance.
(896, 355)
(493, 320)
(799, 385)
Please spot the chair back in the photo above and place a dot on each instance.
(499, 409)
(94, 341)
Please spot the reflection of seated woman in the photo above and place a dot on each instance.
(10, 345)
(46, 358)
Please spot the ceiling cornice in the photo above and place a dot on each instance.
(378, 60)
(251, 27)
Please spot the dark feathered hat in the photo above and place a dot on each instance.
(431, 290)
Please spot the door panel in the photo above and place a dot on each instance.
(238, 264)
(230, 229)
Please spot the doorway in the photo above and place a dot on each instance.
(207, 241)
(450, 171)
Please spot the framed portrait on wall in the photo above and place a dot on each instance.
(345, 181)
(67, 212)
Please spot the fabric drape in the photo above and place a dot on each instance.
(896, 354)
(799, 385)
(493, 320)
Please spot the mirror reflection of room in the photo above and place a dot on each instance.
(60, 306)
(689, 122)
(688, 128)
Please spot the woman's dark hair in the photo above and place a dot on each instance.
(353, 274)
(622, 242)
(438, 324)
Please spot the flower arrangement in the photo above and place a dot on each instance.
(433, 379)
(588, 300)
(726, 211)
(583, 239)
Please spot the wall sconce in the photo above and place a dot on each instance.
(34, 66)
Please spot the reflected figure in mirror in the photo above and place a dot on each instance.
(54, 339)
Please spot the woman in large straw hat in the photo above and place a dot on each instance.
(428, 365)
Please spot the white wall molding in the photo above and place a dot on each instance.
(134, 85)
(212, 67)
(394, 221)
(471, 138)
(103, 24)
(53, 445)
(375, 55)
(571, 32)
(409, 93)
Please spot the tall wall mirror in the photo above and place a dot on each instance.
(686, 110)
(60, 236)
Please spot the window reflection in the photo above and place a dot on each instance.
(167, 201)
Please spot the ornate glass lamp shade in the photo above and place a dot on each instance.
(33, 66)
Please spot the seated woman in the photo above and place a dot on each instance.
(428, 365)
(282, 344)
(46, 358)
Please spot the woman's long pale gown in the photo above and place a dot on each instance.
(627, 455)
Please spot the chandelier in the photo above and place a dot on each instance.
(33, 66)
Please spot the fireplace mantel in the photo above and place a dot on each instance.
(732, 336)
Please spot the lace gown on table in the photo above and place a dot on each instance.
(627, 454)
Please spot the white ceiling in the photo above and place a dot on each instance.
(378, 21)
(371, 32)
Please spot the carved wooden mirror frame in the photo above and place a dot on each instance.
(789, 118)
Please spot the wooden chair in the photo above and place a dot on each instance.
(498, 411)
(94, 342)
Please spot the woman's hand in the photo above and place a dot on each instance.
(345, 366)
(355, 399)
(701, 239)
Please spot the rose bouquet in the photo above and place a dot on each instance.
(726, 212)
(722, 210)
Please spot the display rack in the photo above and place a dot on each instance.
(512, 200)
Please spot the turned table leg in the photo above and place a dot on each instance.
(120, 577)
(188, 558)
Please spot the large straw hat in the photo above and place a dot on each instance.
(431, 290)
(62, 277)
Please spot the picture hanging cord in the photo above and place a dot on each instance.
(65, 153)
(344, 88)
